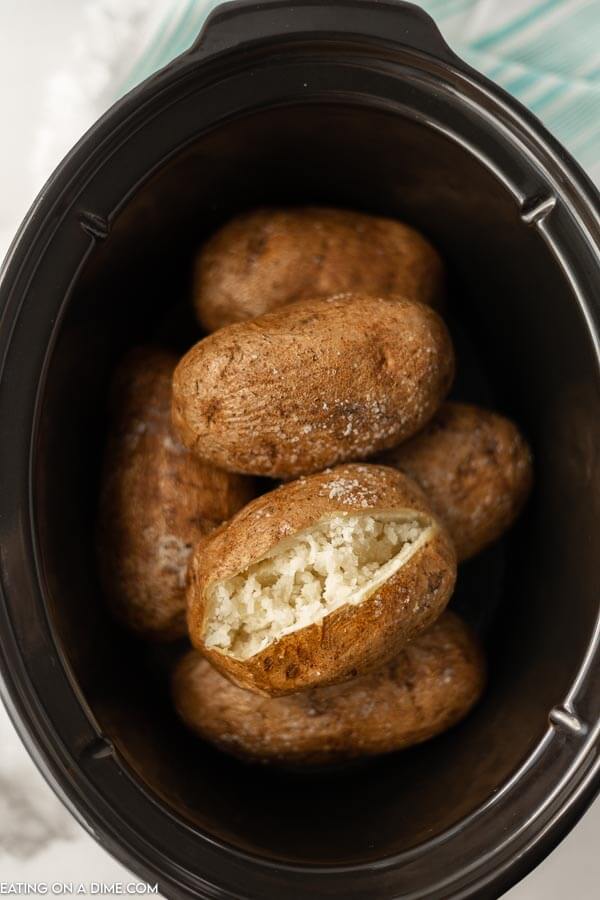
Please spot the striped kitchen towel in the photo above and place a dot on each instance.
(545, 52)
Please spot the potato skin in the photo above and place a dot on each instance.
(266, 258)
(476, 470)
(157, 500)
(429, 686)
(353, 639)
(316, 383)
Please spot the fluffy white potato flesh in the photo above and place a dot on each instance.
(340, 561)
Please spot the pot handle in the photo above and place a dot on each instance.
(235, 24)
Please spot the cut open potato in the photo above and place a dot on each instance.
(338, 562)
(319, 580)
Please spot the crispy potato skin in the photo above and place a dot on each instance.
(476, 470)
(316, 383)
(353, 639)
(266, 258)
(429, 686)
(157, 500)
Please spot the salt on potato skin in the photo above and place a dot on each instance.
(476, 470)
(157, 501)
(314, 384)
(426, 688)
(353, 639)
(266, 258)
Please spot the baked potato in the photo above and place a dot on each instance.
(266, 258)
(157, 500)
(429, 686)
(313, 384)
(475, 468)
(319, 580)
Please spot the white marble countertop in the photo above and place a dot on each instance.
(39, 840)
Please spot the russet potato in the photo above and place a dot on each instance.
(426, 688)
(157, 500)
(311, 385)
(320, 580)
(475, 467)
(267, 258)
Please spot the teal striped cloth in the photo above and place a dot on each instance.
(544, 52)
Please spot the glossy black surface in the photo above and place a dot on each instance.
(330, 103)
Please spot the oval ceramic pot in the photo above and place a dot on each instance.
(362, 105)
